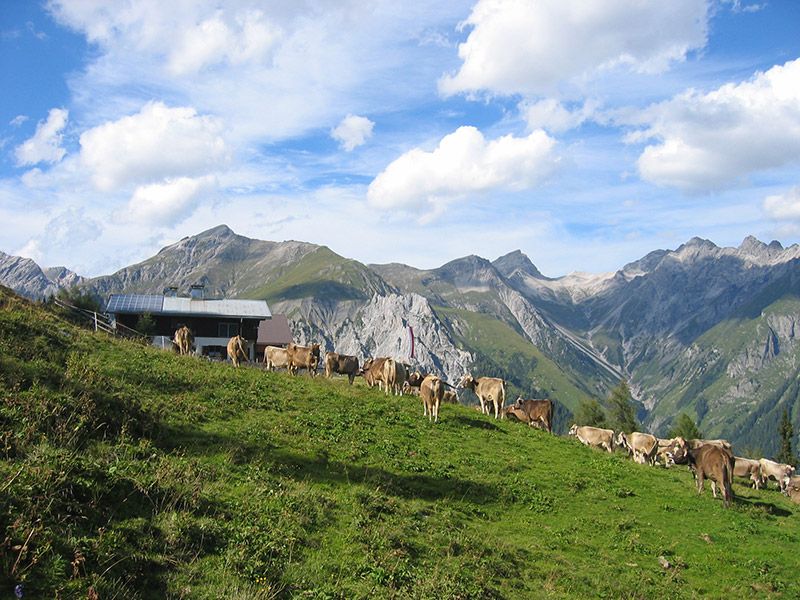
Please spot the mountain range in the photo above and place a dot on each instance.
(706, 330)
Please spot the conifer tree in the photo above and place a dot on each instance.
(685, 427)
(591, 413)
(623, 414)
(786, 432)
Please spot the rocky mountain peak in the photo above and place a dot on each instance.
(752, 247)
(470, 270)
(517, 262)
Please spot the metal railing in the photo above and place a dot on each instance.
(99, 321)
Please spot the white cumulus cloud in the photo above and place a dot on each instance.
(167, 203)
(353, 131)
(784, 207)
(155, 143)
(45, 145)
(248, 38)
(713, 140)
(530, 47)
(464, 163)
(552, 115)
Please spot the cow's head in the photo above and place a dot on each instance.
(518, 402)
(622, 441)
(574, 429)
(467, 381)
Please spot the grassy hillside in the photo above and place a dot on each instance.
(148, 475)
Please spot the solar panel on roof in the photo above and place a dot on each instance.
(135, 303)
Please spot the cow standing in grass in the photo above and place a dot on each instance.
(275, 357)
(717, 464)
(303, 357)
(394, 376)
(594, 436)
(431, 390)
(642, 446)
(488, 389)
(236, 350)
(373, 371)
(535, 413)
(184, 340)
(342, 364)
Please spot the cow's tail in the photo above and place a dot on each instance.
(727, 483)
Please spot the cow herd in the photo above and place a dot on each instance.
(707, 459)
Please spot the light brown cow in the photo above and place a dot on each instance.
(342, 364)
(749, 469)
(594, 436)
(431, 390)
(184, 340)
(276, 357)
(695, 444)
(670, 450)
(303, 357)
(539, 412)
(717, 464)
(236, 350)
(373, 371)
(394, 376)
(793, 489)
(488, 389)
(777, 471)
(643, 446)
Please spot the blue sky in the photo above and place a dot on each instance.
(584, 134)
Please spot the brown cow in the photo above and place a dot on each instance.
(394, 376)
(184, 340)
(539, 412)
(594, 436)
(431, 390)
(750, 469)
(643, 446)
(236, 350)
(303, 357)
(488, 389)
(373, 371)
(342, 364)
(717, 464)
(276, 357)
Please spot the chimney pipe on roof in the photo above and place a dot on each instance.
(197, 291)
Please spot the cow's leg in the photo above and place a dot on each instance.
(714, 488)
(436, 406)
(700, 486)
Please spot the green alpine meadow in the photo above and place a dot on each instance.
(129, 472)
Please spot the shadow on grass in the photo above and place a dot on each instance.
(767, 507)
(477, 423)
(320, 469)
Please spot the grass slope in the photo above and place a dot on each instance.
(148, 475)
